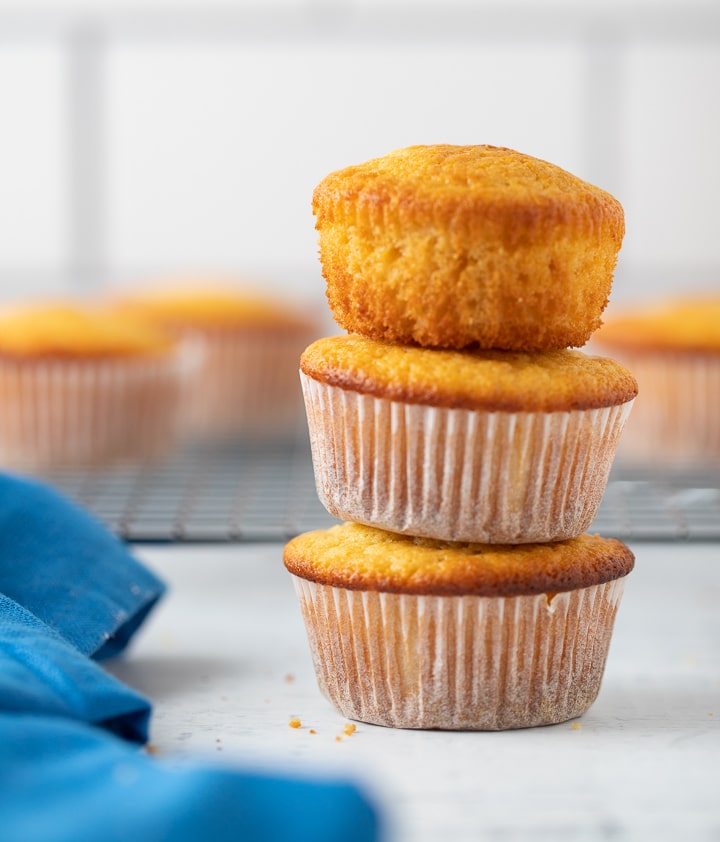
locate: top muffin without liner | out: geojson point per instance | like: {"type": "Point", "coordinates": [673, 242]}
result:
{"type": "Point", "coordinates": [458, 246]}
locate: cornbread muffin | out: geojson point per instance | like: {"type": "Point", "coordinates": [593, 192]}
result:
{"type": "Point", "coordinates": [82, 386]}
{"type": "Point", "coordinates": [674, 349]}
{"type": "Point", "coordinates": [248, 346]}
{"type": "Point", "coordinates": [485, 446]}
{"type": "Point", "coordinates": [456, 246]}
{"type": "Point", "coordinates": [415, 633]}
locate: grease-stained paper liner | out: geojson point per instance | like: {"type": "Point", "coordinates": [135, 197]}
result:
{"type": "Point", "coordinates": [676, 418]}
{"type": "Point", "coordinates": [459, 662]}
{"type": "Point", "coordinates": [65, 413]}
{"type": "Point", "coordinates": [457, 474]}
{"type": "Point", "coordinates": [246, 384]}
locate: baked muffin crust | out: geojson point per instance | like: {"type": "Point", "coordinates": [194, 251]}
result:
{"type": "Point", "coordinates": [490, 380]}
{"type": "Point", "coordinates": [61, 329]}
{"type": "Point", "coordinates": [211, 306]}
{"type": "Point", "coordinates": [452, 246]}
{"type": "Point", "coordinates": [359, 557]}
{"type": "Point", "coordinates": [689, 325]}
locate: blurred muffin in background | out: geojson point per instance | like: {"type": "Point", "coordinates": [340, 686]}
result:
{"type": "Point", "coordinates": [81, 386]}
{"type": "Point", "coordinates": [673, 348]}
{"type": "Point", "coordinates": [248, 344]}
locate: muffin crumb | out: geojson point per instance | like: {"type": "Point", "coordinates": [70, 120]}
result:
{"type": "Point", "coordinates": [295, 722]}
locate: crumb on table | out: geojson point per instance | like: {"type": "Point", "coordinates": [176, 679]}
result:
{"type": "Point", "coordinates": [294, 722]}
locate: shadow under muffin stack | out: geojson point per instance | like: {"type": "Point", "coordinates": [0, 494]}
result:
{"type": "Point", "coordinates": [463, 443]}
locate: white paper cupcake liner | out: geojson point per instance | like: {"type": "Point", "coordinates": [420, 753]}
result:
{"type": "Point", "coordinates": [459, 662]}
{"type": "Point", "coordinates": [456, 474]}
{"type": "Point", "coordinates": [64, 413]}
{"type": "Point", "coordinates": [246, 384]}
{"type": "Point", "coordinates": [676, 416]}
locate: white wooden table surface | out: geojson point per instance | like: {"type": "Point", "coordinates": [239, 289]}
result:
{"type": "Point", "coordinates": [224, 659]}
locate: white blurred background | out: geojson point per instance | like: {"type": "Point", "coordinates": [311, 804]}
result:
{"type": "Point", "coordinates": [154, 138]}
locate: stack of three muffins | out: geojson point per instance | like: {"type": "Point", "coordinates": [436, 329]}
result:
{"type": "Point", "coordinates": [465, 444]}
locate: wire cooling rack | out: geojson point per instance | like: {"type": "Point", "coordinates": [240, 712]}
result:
{"type": "Point", "coordinates": [267, 493]}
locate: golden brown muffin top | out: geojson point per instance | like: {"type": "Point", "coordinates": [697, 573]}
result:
{"type": "Point", "coordinates": [492, 380]}
{"type": "Point", "coordinates": [359, 557]}
{"type": "Point", "coordinates": [467, 246]}
{"type": "Point", "coordinates": [210, 304]}
{"type": "Point", "coordinates": [687, 324]}
{"type": "Point", "coordinates": [65, 329]}
{"type": "Point", "coordinates": [495, 182]}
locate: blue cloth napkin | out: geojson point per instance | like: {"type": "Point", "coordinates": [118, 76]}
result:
{"type": "Point", "coordinates": [41, 673]}
{"type": "Point", "coordinates": [66, 568]}
{"type": "Point", "coordinates": [74, 783]}
{"type": "Point", "coordinates": [71, 766]}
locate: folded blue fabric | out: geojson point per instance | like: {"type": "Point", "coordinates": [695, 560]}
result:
{"type": "Point", "coordinates": [71, 769]}
{"type": "Point", "coordinates": [66, 568]}
{"type": "Point", "coordinates": [68, 782]}
{"type": "Point", "coordinates": [41, 673]}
